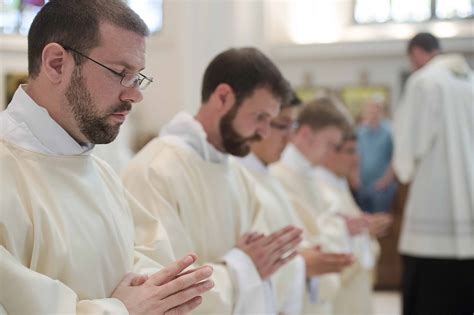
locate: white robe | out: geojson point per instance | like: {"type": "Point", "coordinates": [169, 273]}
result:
{"type": "Point", "coordinates": [355, 294]}
{"type": "Point", "coordinates": [434, 150]}
{"type": "Point", "coordinates": [278, 212]}
{"type": "Point", "coordinates": [68, 228]}
{"type": "Point", "coordinates": [213, 203]}
{"type": "Point", "coordinates": [321, 226]}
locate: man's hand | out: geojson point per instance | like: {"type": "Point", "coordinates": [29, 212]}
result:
{"type": "Point", "coordinates": [318, 262]}
{"type": "Point", "coordinates": [269, 253]}
{"type": "Point", "coordinates": [379, 224]}
{"type": "Point", "coordinates": [385, 181]}
{"type": "Point", "coordinates": [169, 291]}
{"type": "Point", "coordinates": [355, 224]}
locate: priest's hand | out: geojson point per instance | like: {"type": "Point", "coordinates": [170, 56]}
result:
{"type": "Point", "coordinates": [169, 291]}
{"type": "Point", "coordinates": [269, 253]}
{"type": "Point", "coordinates": [317, 262]}
{"type": "Point", "coordinates": [379, 223]}
{"type": "Point", "coordinates": [355, 224]}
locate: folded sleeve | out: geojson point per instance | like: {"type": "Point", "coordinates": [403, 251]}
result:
{"type": "Point", "coordinates": [252, 294]}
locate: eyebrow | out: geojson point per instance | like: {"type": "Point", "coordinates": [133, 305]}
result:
{"type": "Point", "coordinates": [262, 112]}
{"type": "Point", "coordinates": [282, 119]}
{"type": "Point", "coordinates": [126, 65]}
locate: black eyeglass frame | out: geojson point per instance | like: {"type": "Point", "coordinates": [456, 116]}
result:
{"type": "Point", "coordinates": [140, 78]}
{"type": "Point", "coordinates": [284, 127]}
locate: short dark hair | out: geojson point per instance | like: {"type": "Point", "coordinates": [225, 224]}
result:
{"type": "Point", "coordinates": [76, 24]}
{"type": "Point", "coordinates": [426, 41]}
{"type": "Point", "coordinates": [245, 70]}
{"type": "Point", "coordinates": [322, 113]}
{"type": "Point", "coordinates": [293, 101]}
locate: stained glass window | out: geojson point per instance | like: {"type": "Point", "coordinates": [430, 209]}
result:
{"type": "Point", "coordinates": [16, 15]}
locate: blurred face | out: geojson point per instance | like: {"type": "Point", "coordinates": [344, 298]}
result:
{"type": "Point", "coordinates": [344, 159]}
{"type": "Point", "coordinates": [372, 114]}
{"type": "Point", "coordinates": [418, 58]}
{"type": "Point", "coordinates": [248, 123]}
{"type": "Point", "coordinates": [95, 96]}
{"type": "Point", "coordinates": [320, 142]}
{"type": "Point", "coordinates": [269, 150]}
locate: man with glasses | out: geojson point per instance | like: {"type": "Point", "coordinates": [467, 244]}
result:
{"type": "Point", "coordinates": [299, 276]}
{"type": "Point", "coordinates": [70, 234]}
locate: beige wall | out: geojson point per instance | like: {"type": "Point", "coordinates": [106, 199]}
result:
{"type": "Point", "coordinates": [196, 30]}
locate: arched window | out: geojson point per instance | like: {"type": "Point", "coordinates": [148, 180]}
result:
{"type": "Point", "coordinates": [16, 15]}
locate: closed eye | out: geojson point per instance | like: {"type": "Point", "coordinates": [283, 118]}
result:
{"type": "Point", "coordinates": [261, 117]}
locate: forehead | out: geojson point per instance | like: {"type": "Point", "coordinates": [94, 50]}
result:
{"type": "Point", "coordinates": [329, 132]}
{"type": "Point", "coordinates": [120, 46]}
{"type": "Point", "coordinates": [262, 100]}
{"type": "Point", "coordinates": [288, 114]}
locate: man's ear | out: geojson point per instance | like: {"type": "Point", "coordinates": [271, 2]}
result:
{"type": "Point", "coordinates": [223, 97]}
{"type": "Point", "coordinates": [53, 62]}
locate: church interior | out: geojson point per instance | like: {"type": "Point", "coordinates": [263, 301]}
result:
{"type": "Point", "coordinates": [351, 51]}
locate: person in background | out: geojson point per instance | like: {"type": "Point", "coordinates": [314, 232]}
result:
{"type": "Point", "coordinates": [375, 185]}
{"type": "Point", "coordinates": [434, 152]}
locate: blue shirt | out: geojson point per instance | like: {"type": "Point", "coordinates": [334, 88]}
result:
{"type": "Point", "coordinates": [375, 151]}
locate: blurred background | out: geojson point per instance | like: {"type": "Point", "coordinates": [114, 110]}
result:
{"type": "Point", "coordinates": [354, 50]}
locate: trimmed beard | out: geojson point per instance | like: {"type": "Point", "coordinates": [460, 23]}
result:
{"type": "Point", "coordinates": [92, 124]}
{"type": "Point", "coordinates": [232, 141]}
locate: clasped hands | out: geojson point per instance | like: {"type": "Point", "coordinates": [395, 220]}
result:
{"type": "Point", "coordinates": [170, 291]}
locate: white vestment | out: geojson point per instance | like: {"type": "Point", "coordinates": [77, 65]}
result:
{"type": "Point", "coordinates": [118, 153]}
{"type": "Point", "coordinates": [355, 294]}
{"type": "Point", "coordinates": [321, 226]}
{"type": "Point", "coordinates": [434, 150]}
{"type": "Point", "coordinates": [213, 201]}
{"type": "Point", "coordinates": [278, 212]}
{"type": "Point", "coordinates": [68, 228]}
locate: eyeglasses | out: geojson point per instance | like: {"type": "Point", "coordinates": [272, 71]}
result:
{"type": "Point", "coordinates": [129, 80]}
{"type": "Point", "coordinates": [284, 127]}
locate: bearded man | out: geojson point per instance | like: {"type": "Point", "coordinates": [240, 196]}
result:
{"type": "Point", "coordinates": [70, 235]}
{"type": "Point", "coordinates": [212, 198]}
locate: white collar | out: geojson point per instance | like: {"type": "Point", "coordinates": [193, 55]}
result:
{"type": "Point", "coordinates": [30, 126]}
{"type": "Point", "coordinates": [294, 159]}
{"type": "Point", "coordinates": [454, 62]}
{"type": "Point", "coordinates": [330, 178]}
{"type": "Point", "coordinates": [253, 163]}
{"type": "Point", "coordinates": [187, 129]}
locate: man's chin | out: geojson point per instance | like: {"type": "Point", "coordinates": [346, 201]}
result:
{"type": "Point", "coordinates": [106, 138]}
{"type": "Point", "coordinates": [241, 151]}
